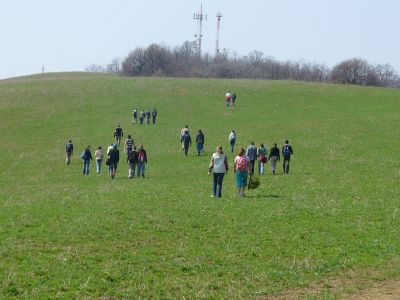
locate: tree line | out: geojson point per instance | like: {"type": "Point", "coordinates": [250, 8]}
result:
{"type": "Point", "coordinates": [185, 61]}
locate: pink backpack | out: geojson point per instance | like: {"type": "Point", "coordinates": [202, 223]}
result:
{"type": "Point", "coordinates": [241, 163]}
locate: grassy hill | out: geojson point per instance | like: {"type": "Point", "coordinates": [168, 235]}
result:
{"type": "Point", "coordinates": [69, 236]}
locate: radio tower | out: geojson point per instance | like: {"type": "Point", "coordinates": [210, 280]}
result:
{"type": "Point", "coordinates": [219, 16]}
{"type": "Point", "coordinates": [199, 17]}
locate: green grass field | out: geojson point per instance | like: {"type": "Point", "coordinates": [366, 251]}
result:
{"type": "Point", "coordinates": [64, 235]}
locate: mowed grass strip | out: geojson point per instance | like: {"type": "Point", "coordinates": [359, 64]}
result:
{"type": "Point", "coordinates": [66, 235]}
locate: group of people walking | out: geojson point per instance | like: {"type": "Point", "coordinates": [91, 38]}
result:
{"type": "Point", "coordinates": [135, 157]}
{"type": "Point", "coordinates": [244, 165]}
{"type": "Point", "coordinates": [142, 115]}
{"type": "Point", "coordinates": [230, 98]}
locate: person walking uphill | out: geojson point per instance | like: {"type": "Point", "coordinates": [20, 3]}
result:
{"type": "Point", "coordinates": [252, 154]}
{"type": "Point", "coordinates": [113, 160]}
{"type": "Point", "coordinates": [219, 167]}
{"type": "Point", "coordinates": [154, 115]}
{"type": "Point", "coordinates": [135, 116]}
{"type": "Point", "coordinates": [232, 139]}
{"type": "Point", "coordinates": [118, 134]}
{"type": "Point", "coordinates": [199, 142]}
{"type": "Point", "coordinates": [128, 144]}
{"type": "Point", "coordinates": [287, 151]}
{"type": "Point", "coordinates": [186, 141]}
{"type": "Point", "coordinates": [142, 161]}
{"type": "Point", "coordinates": [241, 170]}
{"type": "Point", "coordinates": [69, 151]}
{"type": "Point", "coordinates": [132, 160]}
{"type": "Point", "coordinates": [262, 158]}
{"type": "Point", "coordinates": [273, 157]}
{"type": "Point", "coordinates": [98, 154]}
{"type": "Point", "coordinates": [86, 157]}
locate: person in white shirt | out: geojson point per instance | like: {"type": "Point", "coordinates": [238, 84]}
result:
{"type": "Point", "coordinates": [232, 139]}
{"type": "Point", "coordinates": [219, 167]}
{"type": "Point", "coordinates": [228, 97]}
{"type": "Point", "coordinates": [99, 158]}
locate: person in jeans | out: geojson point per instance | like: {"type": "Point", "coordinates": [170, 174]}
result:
{"type": "Point", "coordinates": [132, 160]}
{"type": "Point", "coordinates": [98, 154]}
{"type": "Point", "coordinates": [135, 115]}
{"type": "Point", "coordinates": [113, 157]}
{"type": "Point", "coordinates": [154, 115]}
{"type": "Point", "coordinates": [219, 167]}
{"type": "Point", "coordinates": [199, 142]}
{"type": "Point", "coordinates": [232, 139]}
{"type": "Point", "coordinates": [86, 156]}
{"type": "Point", "coordinates": [69, 151]}
{"type": "Point", "coordinates": [287, 151]}
{"type": "Point", "coordinates": [251, 152]}
{"type": "Point", "coordinates": [241, 170]}
{"type": "Point", "coordinates": [273, 157]}
{"type": "Point", "coordinates": [262, 158]}
{"type": "Point", "coordinates": [142, 161]}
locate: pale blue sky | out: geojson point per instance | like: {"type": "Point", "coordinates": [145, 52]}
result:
{"type": "Point", "coordinates": [70, 35]}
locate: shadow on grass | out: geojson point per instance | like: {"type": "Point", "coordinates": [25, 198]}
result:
{"type": "Point", "coordinates": [266, 196]}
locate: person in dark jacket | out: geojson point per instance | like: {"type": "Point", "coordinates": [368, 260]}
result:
{"type": "Point", "coordinates": [186, 141]}
{"type": "Point", "coordinates": [142, 161]}
{"type": "Point", "coordinates": [113, 159]}
{"type": "Point", "coordinates": [274, 156]}
{"type": "Point", "coordinates": [86, 156]}
{"type": "Point", "coordinates": [69, 151]}
{"type": "Point", "coordinates": [118, 134]}
{"type": "Point", "coordinates": [251, 152]}
{"type": "Point", "coordinates": [287, 151]}
{"type": "Point", "coordinates": [132, 160]}
{"type": "Point", "coordinates": [148, 115]}
{"type": "Point", "coordinates": [199, 142]}
{"type": "Point", "coordinates": [154, 115]}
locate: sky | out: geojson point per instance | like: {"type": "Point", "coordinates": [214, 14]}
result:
{"type": "Point", "coordinates": [70, 35]}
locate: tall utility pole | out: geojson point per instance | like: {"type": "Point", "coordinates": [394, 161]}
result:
{"type": "Point", "coordinates": [199, 17]}
{"type": "Point", "coordinates": [219, 16]}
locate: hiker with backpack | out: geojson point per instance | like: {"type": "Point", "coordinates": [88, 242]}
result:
{"type": "Point", "coordinates": [154, 115]}
{"type": "Point", "coordinates": [142, 161]}
{"type": "Point", "coordinates": [287, 151]}
{"type": "Point", "coordinates": [113, 160]}
{"type": "Point", "coordinates": [69, 151]}
{"type": "Point", "coordinates": [118, 134]}
{"type": "Point", "coordinates": [273, 157]}
{"type": "Point", "coordinates": [251, 152]}
{"type": "Point", "coordinates": [128, 144]}
{"type": "Point", "coordinates": [199, 142]}
{"type": "Point", "coordinates": [186, 141]}
{"type": "Point", "coordinates": [241, 170]}
{"type": "Point", "coordinates": [232, 139]}
{"type": "Point", "coordinates": [262, 158]}
{"type": "Point", "coordinates": [219, 167]}
{"type": "Point", "coordinates": [86, 156]}
{"type": "Point", "coordinates": [98, 154]}
{"type": "Point", "coordinates": [132, 161]}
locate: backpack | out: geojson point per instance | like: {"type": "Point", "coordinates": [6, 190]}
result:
{"type": "Point", "coordinates": [286, 151]}
{"type": "Point", "coordinates": [69, 148]}
{"type": "Point", "coordinates": [141, 156]}
{"type": "Point", "coordinates": [241, 164]}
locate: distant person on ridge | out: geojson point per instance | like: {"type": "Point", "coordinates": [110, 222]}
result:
{"type": "Point", "coordinates": [232, 139]}
{"type": "Point", "coordinates": [251, 152]}
{"type": "Point", "coordinates": [118, 134]}
{"type": "Point", "coordinates": [69, 151]}
{"type": "Point", "coordinates": [273, 157]}
{"type": "Point", "coordinates": [233, 97]}
{"type": "Point", "coordinates": [154, 115]}
{"type": "Point", "coordinates": [199, 142]}
{"type": "Point", "coordinates": [186, 141]}
{"type": "Point", "coordinates": [228, 98]}
{"type": "Point", "coordinates": [287, 151]}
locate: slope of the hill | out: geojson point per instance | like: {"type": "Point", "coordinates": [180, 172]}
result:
{"type": "Point", "coordinates": [66, 235]}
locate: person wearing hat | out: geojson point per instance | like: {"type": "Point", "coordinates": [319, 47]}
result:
{"type": "Point", "coordinates": [113, 159]}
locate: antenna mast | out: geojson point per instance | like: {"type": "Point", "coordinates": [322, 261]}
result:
{"type": "Point", "coordinates": [199, 17]}
{"type": "Point", "coordinates": [219, 16]}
